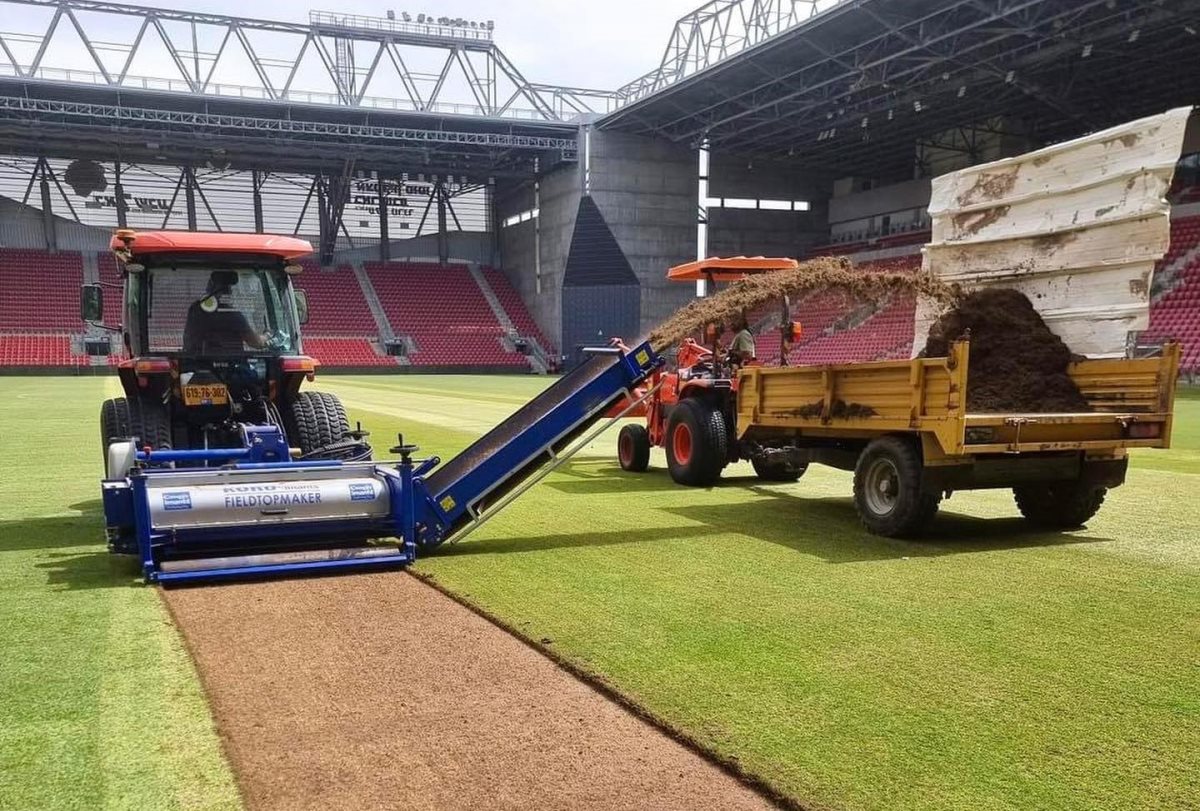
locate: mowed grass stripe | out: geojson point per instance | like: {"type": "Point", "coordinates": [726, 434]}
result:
{"type": "Point", "coordinates": [986, 667]}
{"type": "Point", "coordinates": [102, 708]}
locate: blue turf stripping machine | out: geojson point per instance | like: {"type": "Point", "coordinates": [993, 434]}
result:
{"type": "Point", "coordinates": [252, 511]}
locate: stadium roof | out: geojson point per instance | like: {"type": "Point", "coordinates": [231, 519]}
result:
{"type": "Point", "coordinates": [851, 89]}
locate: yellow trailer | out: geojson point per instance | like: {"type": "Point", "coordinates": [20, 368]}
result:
{"type": "Point", "coordinates": [904, 429]}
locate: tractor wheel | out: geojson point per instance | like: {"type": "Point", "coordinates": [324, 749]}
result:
{"type": "Point", "coordinates": [697, 443]}
{"type": "Point", "coordinates": [1063, 505]}
{"type": "Point", "coordinates": [114, 423]}
{"type": "Point", "coordinates": [633, 448]}
{"type": "Point", "coordinates": [318, 420]}
{"type": "Point", "coordinates": [777, 471]}
{"type": "Point", "coordinates": [887, 489]}
{"type": "Point", "coordinates": [150, 424]}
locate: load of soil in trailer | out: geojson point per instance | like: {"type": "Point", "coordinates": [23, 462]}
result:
{"type": "Point", "coordinates": [812, 276]}
{"type": "Point", "coordinates": [1016, 363]}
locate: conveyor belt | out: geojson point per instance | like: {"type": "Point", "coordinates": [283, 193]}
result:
{"type": "Point", "coordinates": [451, 478]}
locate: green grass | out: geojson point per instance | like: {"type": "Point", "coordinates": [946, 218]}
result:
{"type": "Point", "coordinates": [99, 704]}
{"type": "Point", "coordinates": [988, 667]}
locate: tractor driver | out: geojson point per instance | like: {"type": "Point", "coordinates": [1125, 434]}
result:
{"type": "Point", "coordinates": [214, 325]}
{"type": "Point", "coordinates": [741, 350]}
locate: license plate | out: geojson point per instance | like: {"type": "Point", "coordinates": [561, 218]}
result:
{"type": "Point", "coordinates": [205, 395]}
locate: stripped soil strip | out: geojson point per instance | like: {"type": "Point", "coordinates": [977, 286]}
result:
{"type": "Point", "coordinates": [377, 691]}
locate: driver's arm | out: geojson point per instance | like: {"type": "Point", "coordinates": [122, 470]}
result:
{"type": "Point", "coordinates": [250, 336]}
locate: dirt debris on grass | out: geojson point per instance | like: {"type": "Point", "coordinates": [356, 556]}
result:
{"type": "Point", "coordinates": [378, 691]}
{"type": "Point", "coordinates": [815, 275]}
{"type": "Point", "coordinates": [1016, 363]}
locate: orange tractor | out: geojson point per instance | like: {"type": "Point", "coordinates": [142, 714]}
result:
{"type": "Point", "coordinates": [690, 409]}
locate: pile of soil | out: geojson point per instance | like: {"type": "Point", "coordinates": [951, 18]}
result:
{"type": "Point", "coordinates": [1016, 363]}
{"type": "Point", "coordinates": [815, 275]}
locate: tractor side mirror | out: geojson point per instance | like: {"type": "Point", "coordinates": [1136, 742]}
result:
{"type": "Point", "coordinates": [301, 305]}
{"type": "Point", "coordinates": [91, 303]}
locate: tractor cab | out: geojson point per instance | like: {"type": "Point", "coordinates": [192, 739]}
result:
{"type": "Point", "coordinates": [211, 323]}
{"type": "Point", "coordinates": [694, 398]}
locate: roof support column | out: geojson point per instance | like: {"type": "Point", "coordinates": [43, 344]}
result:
{"type": "Point", "coordinates": [119, 197]}
{"type": "Point", "coordinates": [443, 238]}
{"type": "Point", "coordinates": [50, 235]}
{"type": "Point", "coordinates": [385, 246]}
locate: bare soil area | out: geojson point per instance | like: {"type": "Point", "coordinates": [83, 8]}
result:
{"type": "Point", "coordinates": [378, 691]}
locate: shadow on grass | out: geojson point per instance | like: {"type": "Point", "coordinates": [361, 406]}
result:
{"type": "Point", "coordinates": [601, 477]}
{"type": "Point", "coordinates": [566, 540]}
{"type": "Point", "coordinates": [61, 540]}
{"type": "Point", "coordinates": [828, 528]}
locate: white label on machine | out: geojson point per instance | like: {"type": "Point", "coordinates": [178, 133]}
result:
{"type": "Point", "coordinates": [208, 505]}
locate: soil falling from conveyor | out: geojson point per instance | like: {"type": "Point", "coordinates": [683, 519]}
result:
{"type": "Point", "coordinates": [813, 276]}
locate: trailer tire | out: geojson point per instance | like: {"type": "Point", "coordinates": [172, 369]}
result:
{"type": "Point", "coordinates": [777, 471]}
{"type": "Point", "coordinates": [887, 489]}
{"type": "Point", "coordinates": [1064, 505]}
{"type": "Point", "coordinates": [318, 420]}
{"type": "Point", "coordinates": [697, 443]}
{"type": "Point", "coordinates": [633, 448]}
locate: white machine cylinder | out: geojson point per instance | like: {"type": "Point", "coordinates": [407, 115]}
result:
{"type": "Point", "coordinates": [244, 503]}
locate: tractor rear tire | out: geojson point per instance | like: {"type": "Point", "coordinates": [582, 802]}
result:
{"type": "Point", "coordinates": [150, 424]}
{"type": "Point", "coordinates": [1063, 505]}
{"type": "Point", "coordinates": [887, 489]}
{"type": "Point", "coordinates": [318, 420]}
{"type": "Point", "coordinates": [633, 448]}
{"type": "Point", "coordinates": [697, 443]}
{"type": "Point", "coordinates": [114, 423]}
{"type": "Point", "coordinates": [777, 471]}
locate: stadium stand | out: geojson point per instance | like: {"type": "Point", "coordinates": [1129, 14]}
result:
{"type": "Point", "coordinates": [28, 349]}
{"type": "Point", "coordinates": [345, 352]}
{"type": "Point", "coordinates": [443, 310]}
{"type": "Point", "coordinates": [1175, 313]}
{"type": "Point", "coordinates": [514, 306]}
{"type": "Point", "coordinates": [40, 291]}
{"type": "Point", "coordinates": [336, 304]}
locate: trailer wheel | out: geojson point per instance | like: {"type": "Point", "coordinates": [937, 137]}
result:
{"type": "Point", "coordinates": [318, 420]}
{"type": "Point", "coordinates": [777, 471]}
{"type": "Point", "coordinates": [633, 448]}
{"type": "Point", "coordinates": [1059, 506]}
{"type": "Point", "coordinates": [887, 489]}
{"type": "Point", "coordinates": [697, 443]}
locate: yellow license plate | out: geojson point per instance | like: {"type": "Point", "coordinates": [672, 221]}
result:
{"type": "Point", "coordinates": [205, 395]}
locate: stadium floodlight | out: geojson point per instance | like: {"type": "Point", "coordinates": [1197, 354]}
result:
{"type": "Point", "coordinates": [420, 19]}
{"type": "Point", "coordinates": [1134, 34]}
{"type": "Point", "coordinates": [1190, 30]}
{"type": "Point", "coordinates": [962, 91]}
{"type": "Point", "coordinates": [391, 15]}
{"type": "Point", "coordinates": [404, 15]}
{"type": "Point", "coordinates": [1087, 51]}
{"type": "Point", "coordinates": [917, 106]}
{"type": "Point", "coordinates": [1010, 77]}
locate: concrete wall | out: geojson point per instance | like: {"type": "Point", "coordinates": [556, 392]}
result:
{"type": "Point", "coordinates": [646, 190]}
{"type": "Point", "coordinates": [742, 232]}
{"type": "Point", "coordinates": [23, 226]}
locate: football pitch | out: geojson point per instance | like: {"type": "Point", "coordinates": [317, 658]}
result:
{"type": "Point", "coordinates": [987, 666]}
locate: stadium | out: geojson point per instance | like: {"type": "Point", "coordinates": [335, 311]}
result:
{"type": "Point", "coordinates": [471, 254]}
